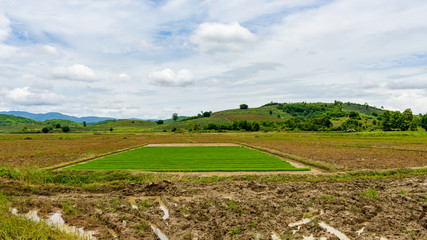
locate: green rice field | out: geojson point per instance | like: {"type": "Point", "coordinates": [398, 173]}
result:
{"type": "Point", "coordinates": [189, 159]}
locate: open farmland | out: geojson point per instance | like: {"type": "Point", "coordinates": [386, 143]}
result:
{"type": "Point", "coordinates": [347, 151]}
{"type": "Point", "coordinates": [357, 204]}
{"type": "Point", "coordinates": [189, 159]}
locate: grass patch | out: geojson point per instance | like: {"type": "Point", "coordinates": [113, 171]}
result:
{"type": "Point", "coordinates": [189, 159]}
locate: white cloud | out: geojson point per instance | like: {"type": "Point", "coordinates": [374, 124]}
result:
{"type": "Point", "coordinates": [76, 72]}
{"type": "Point", "coordinates": [49, 49]}
{"type": "Point", "coordinates": [29, 96]}
{"type": "Point", "coordinates": [5, 50]}
{"type": "Point", "coordinates": [124, 77]}
{"type": "Point", "coordinates": [4, 27]}
{"type": "Point", "coordinates": [218, 37]}
{"type": "Point", "coordinates": [167, 77]}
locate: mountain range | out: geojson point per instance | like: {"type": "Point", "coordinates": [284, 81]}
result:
{"type": "Point", "coordinates": [56, 115]}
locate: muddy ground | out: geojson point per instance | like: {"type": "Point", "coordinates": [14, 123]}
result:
{"type": "Point", "coordinates": [388, 208]}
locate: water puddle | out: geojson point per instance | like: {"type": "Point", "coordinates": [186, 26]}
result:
{"type": "Point", "coordinates": [334, 231]}
{"type": "Point", "coordinates": [32, 215]}
{"type": "Point", "coordinates": [14, 211]}
{"type": "Point", "coordinates": [360, 231]}
{"type": "Point", "coordinates": [132, 201]}
{"type": "Point", "coordinates": [158, 232]}
{"type": "Point", "coordinates": [56, 220]}
{"type": "Point", "coordinates": [163, 208]}
{"type": "Point", "coordinates": [300, 222]}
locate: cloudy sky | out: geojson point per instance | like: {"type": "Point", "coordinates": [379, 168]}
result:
{"type": "Point", "coordinates": [149, 59]}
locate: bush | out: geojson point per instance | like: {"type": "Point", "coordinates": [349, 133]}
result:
{"type": "Point", "coordinates": [45, 130]}
{"type": "Point", "coordinates": [159, 122]}
{"type": "Point", "coordinates": [243, 106]}
{"type": "Point", "coordinates": [65, 129]}
{"type": "Point", "coordinates": [58, 125]}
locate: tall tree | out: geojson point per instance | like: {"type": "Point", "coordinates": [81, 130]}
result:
{"type": "Point", "coordinates": [175, 116]}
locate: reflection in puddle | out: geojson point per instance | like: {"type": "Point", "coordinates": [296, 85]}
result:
{"type": "Point", "coordinates": [334, 231]}
{"type": "Point", "coordinates": [360, 231]}
{"type": "Point", "coordinates": [158, 232]}
{"type": "Point", "coordinates": [57, 221]}
{"type": "Point", "coordinates": [32, 215]}
{"type": "Point", "coordinates": [164, 209]}
{"type": "Point", "coordinates": [300, 222]}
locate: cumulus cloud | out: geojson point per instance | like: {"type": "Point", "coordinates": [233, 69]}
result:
{"type": "Point", "coordinates": [29, 96]}
{"type": "Point", "coordinates": [218, 37]}
{"type": "Point", "coordinates": [76, 72]}
{"type": "Point", "coordinates": [168, 78]}
{"type": "Point", "coordinates": [124, 77]}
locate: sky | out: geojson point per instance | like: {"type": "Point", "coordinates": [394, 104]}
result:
{"type": "Point", "coordinates": [149, 59]}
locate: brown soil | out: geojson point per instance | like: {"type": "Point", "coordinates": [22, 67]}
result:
{"type": "Point", "coordinates": [241, 210]}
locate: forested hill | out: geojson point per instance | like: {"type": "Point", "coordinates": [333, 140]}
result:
{"type": "Point", "coordinates": [336, 109]}
{"type": "Point", "coordinates": [10, 120]}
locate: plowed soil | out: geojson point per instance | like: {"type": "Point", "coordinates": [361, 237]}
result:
{"type": "Point", "coordinates": [390, 208]}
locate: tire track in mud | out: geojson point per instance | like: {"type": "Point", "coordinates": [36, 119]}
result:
{"type": "Point", "coordinates": [245, 210]}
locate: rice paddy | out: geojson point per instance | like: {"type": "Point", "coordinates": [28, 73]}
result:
{"type": "Point", "coordinates": [190, 159]}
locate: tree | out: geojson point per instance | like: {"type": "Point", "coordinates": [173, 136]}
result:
{"type": "Point", "coordinates": [65, 129]}
{"type": "Point", "coordinates": [206, 114]}
{"type": "Point", "coordinates": [159, 122]}
{"type": "Point", "coordinates": [57, 125]}
{"type": "Point", "coordinates": [84, 123]}
{"type": "Point", "coordinates": [175, 116]}
{"type": "Point", "coordinates": [424, 121]}
{"type": "Point", "coordinates": [45, 130]}
{"type": "Point", "coordinates": [271, 112]}
{"type": "Point", "coordinates": [353, 114]}
{"type": "Point", "coordinates": [111, 129]}
{"type": "Point", "coordinates": [243, 106]}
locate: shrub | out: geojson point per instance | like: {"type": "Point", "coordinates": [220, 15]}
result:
{"type": "Point", "coordinates": [45, 130]}
{"type": "Point", "coordinates": [243, 106]}
{"type": "Point", "coordinates": [65, 129]}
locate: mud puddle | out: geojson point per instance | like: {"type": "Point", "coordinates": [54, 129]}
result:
{"type": "Point", "coordinates": [195, 210]}
{"type": "Point", "coordinates": [56, 220]}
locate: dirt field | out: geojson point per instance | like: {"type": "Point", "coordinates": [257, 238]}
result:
{"type": "Point", "coordinates": [388, 208]}
{"type": "Point", "coordinates": [347, 151]}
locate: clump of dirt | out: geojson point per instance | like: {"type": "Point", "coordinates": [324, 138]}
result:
{"type": "Point", "coordinates": [390, 208]}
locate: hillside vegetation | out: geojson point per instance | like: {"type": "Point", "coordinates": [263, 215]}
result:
{"type": "Point", "coordinates": [302, 116]}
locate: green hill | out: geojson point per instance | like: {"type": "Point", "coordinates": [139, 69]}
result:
{"type": "Point", "coordinates": [9, 120]}
{"type": "Point", "coordinates": [63, 122]}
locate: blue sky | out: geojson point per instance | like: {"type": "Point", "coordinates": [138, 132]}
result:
{"type": "Point", "coordinates": [149, 59]}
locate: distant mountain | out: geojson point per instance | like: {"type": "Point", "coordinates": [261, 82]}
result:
{"type": "Point", "coordinates": [55, 115]}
